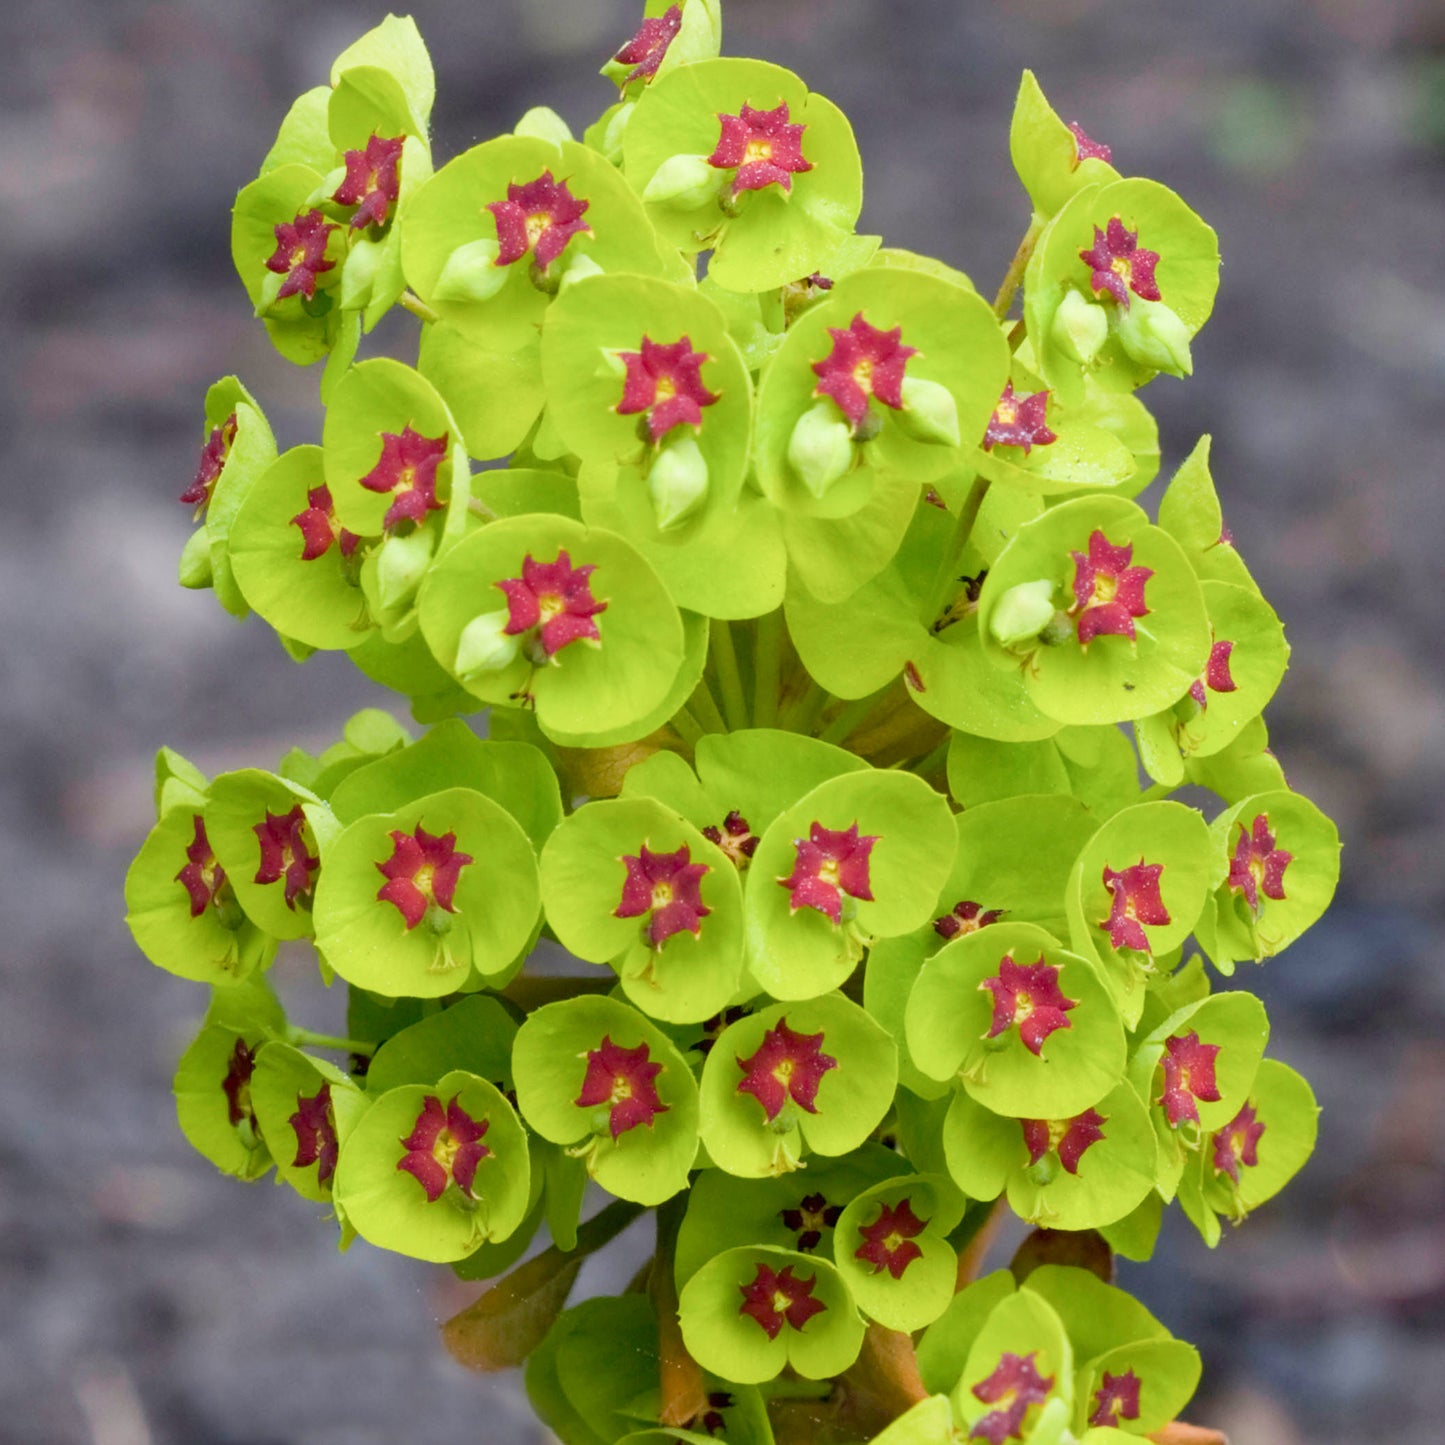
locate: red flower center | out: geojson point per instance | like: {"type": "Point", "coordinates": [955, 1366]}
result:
{"type": "Point", "coordinates": [1068, 1138]}
{"type": "Point", "coordinates": [888, 1241]}
{"type": "Point", "coordinates": [421, 873]}
{"type": "Point", "coordinates": [761, 147]}
{"type": "Point", "coordinates": [237, 1085]}
{"type": "Point", "coordinates": [213, 460]}
{"type": "Point", "coordinates": [666, 383]}
{"type": "Point", "coordinates": [202, 877]}
{"type": "Point", "coordinates": [1108, 592]}
{"type": "Point", "coordinates": [556, 599]}
{"type": "Point", "coordinates": [1216, 678]}
{"type": "Point", "coordinates": [828, 864]}
{"type": "Point", "coordinates": [1019, 421]}
{"type": "Point", "coordinates": [284, 853]}
{"type": "Point", "coordinates": [1027, 995]}
{"type": "Point", "coordinates": [1119, 265]}
{"type": "Point", "coordinates": [667, 888]}
{"type": "Point", "coordinates": [808, 1221]}
{"type": "Point", "coordinates": [1086, 149]}
{"type": "Point", "coordinates": [1116, 1399]}
{"type": "Point", "coordinates": [319, 527]}
{"type": "Point", "coordinates": [622, 1080]}
{"type": "Point", "coordinates": [777, 1298]}
{"type": "Point", "coordinates": [1257, 867]}
{"type": "Point", "coordinates": [314, 1124]}
{"type": "Point", "coordinates": [1238, 1143]}
{"type": "Point", "coordinates": [372, 182]}
{"type": "Point", "coordinates": [1188, 1075]}
{"type": "Point", "coordinates": [1137, 901]}
{"type": "Point", "coordinates": [966, 917]}
{"type": "Point", "coordinates": [408, 469]}
{"type": "Point", "coordinates": [541, 217]}
{"type": "Point", "coordinates": [300, 254]}
{"type": "Point", "coordinates": [787, 1065]}
{"type": "Point", "coordinates": [647, 49]}
{"type": "Point", "coordinates": [864, 362]}
{"type": "Point", "coordinates": [445, 1147]}
{"type": "Point", "coordinates": [1012, 1388]}
{"type": "Point", "coordinates": [736, 839]}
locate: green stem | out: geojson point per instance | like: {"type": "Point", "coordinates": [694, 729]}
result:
{"type": "Point", "coordinates": [781, 1389]}
{"type": "Point", "coordinates": [804, 712]}
{"type": "Point", "coordinates": [329, 1041]}
{"type": "Point", "coordinates": [1014, 276]}
{"type": "Point", "coordinates": [413, 303]}
{"type": "Point", "coordinates": [851, 716]}
{"type": "Point", "coordinates": [767, 668]}
{"type": "Point", "coordinates": [944, 578]}
{"type": "Point", "coordinates": [1154, 792]}
{"type": "Point", "coordinates": [687, 727]}
{"type": "Point", "coordinates": [703, 706]}
{"type": "Point", "coordinates": [479, 508]}
{"type": "Point", "coordinates": [725, 659]}
{"type": "Point", "coordinates": [938, 758]}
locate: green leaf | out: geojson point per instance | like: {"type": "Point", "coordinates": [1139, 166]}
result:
{"type": "Point", "coordinates": [1189, 511]}
{"type": "Point", "coordinates": [473, 1034]}
{"type": "Point", "coordinates": [1045, 153]}
{"type": "Point", "coordinates": [226, 1133]}
{"type": "Point", "coordinates": [395, 46]}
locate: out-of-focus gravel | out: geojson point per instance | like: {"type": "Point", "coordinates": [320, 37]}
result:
{"type": "Point", "coordinates": [148, 1301]}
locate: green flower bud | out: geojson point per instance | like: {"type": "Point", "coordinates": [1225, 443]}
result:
{"type": "Point", "coordinates": [930, 414]}
{"type": "Point", "coordinates": [400, 566]}
{"type": "Point", "coordinates": [1043, 1171]}
{"type": "Point", "coordinates": [1153, 335]}
{"type": "Point", "coordinates": [582, 266]}
{"type": "Point", "coordinates": [1022, 614]}
{"type": "Point", "coordinates": [358, 275]}
{"type": "Point", "coordinates": [1080, 328]}
{"type": "Point", "coordinates": [484, 645]}
{"type": "Point", "coordinates": [543, 123]}
{"type": "Point", "coordinates": [678, 480]}
{"type": "Point", "coordinates": [471, 273]}
{"type": "Point", "coordinates": [820, 450]}
{"type": "Point", "coordinates": [195, 569]}
{"type": "Point", "coordinates": [616, 129]}
{"type": "Point", "coordinates": [683, 182]}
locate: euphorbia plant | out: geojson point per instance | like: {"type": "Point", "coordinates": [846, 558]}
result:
{"type": "Point", "coordinates": [816, 647]}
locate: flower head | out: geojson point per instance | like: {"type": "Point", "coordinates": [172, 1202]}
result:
{"type": "Point", "coordinates": [762, 147]}
{"type": "Point", "coordinates": [1238, 1143]}
{"type": "Point", "coordinates": [1014, 1385]}
{"type": "Point", "coordinates": [888, 1241]}
{"type": "Point", "coordinates": [421, 873]}
{"type": "Point", "coordinates": [965, 917]}
{"type": "Point", "coordinates": [314, 1124]}
{"type": "Point", "coordinates": [1188, 1075]}
{"type": "Point", "coordinates": [1119, 265]}
{"type": "Point", "coordinates": [665, 382]}
{"type": "Point", "coordinates": [787, 1065]}
{"type": "Point", "coordinates": [1069, 1138]}
{"type": "Point", "coordinates": [237, 1084]}
{"type": "Point", "coordinates": [623, 1081]}
{"type": "Point", "coordinates": [213, 459]}
{"type": "Point", "coordinates": [667, 888]}
{"type": "Point", "coordinates": [828, 864]}
{"type": "Point", "coordinates": [1258, 866]}
{"type": "Point", "coordinates": [541, 217]}
{"type": "Point", "coordinates": [813, 1215]}
{"type": "Point", "coordinates": [372, 181]}
{"type": "Point", "coordinates": [1108, 592]}
{"type": "Point", "coordinates": [1028, 995]}
{"type": "Point", "coordinates": [736, 839]}
{"type": "Point", "coordinates": [556, 599]}
{"type": "Point", "coordinates": [202, 877]}
{"type": "Point", "coordinates": [647, 49]}
{"type": "Point", "coordinates": [864, 362]}
{"type": "Point", "coordinates": [284, 853]}
{"type": "Point", "coordinates": [1216, 678]}
{"type": "Point", "coordinates": [777, 1298]}
{"type": "Point", "coordinates": [1137, 901]}
{"type": "Point", "coordinates": [1019, 421]}
{"type": "Point", "coordinates": [1086, 149]}
{"type": "Point", "coordinates": [319, 527]}
{"type": "Point", "coordinates": [300, 254]}
{"type": "Point", "coordinates": [408, 468]}
{"type": "Point", "coordinates": [1117, 1398]}
{"type": "Point", "coordinates": [444, 1148]}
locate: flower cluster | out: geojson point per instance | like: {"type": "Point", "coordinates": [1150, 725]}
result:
{"type": "Point", "coordinates": [822, 645]}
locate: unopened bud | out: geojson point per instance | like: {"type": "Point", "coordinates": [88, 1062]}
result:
{"type": "Point", "coordinates": [400, 565]}
{"type": "Point", "coordinates": [1080, 328]}
{"type": "Point", "coordinates": [1042, 1171]}
{"type": "Point", "coordinates": [820, 450]}
{"type": "Point", "coordinates": [195, 568]}
{"type": "Point", "coordinates": [543, 123]}
{"type": "Point", "coordinates": [616, 129]}
{"type": "Point", "coordinates": [677, 481]}
{"type": "Point", "coordinates": [471, 273]}
{"type": "Point", "coordinates": [358, 275]}
{"type": "Point", "coordinates": [1022, 614]}
{"type": "Point", "coordinates": [930, 414]}
{"type": "Point", "coordinates": [682, 182]}
{"type": "Point", "coordinates": [484, 645]}
{"type": "Point", "coordinates": [1153, 335]}
{"type": "Point", "coordinates": [581, 267]}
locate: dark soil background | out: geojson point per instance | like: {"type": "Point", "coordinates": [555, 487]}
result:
{"type": "Point", "coordinates": [147, 1301]}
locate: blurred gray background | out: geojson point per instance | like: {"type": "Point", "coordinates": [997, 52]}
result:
{"type": "Point", "coordinates": [147, 1301]}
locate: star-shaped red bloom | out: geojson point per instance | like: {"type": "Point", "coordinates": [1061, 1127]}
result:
{"type": "Point", "coordinates": [556, 598]}
{"type": "Point", "coordinates": [808, 1221]}
{"type": "Point", "coordinates": [445, 1146]}
{"type": "Point", "coordinates": [541, 217]}
{"type": "Point", "coordinates": [647, 49]}
{"type": "Point", "coordinates": [1014, 1385]}
{"type": "Point", "coordinates": [1137, 901]}
{"type": "Point", "coordinates": [1116, 1399]}
{"type": "Point", "coordinates": [237, 1084]}
{"type": "Point", "coordinates": [776, 1298]}
{"type": "Point", "coordinates": [1089, 150]}
{"type": "Point", "coordinates": [665, 381]}
{"type": "Point", "coordinates": [623, 1080]}
{"type": "Point", "coordinates": [736, 839]}
{"type": "Point", "coordinates": [1068, 1137]}
{"type": "Point", "coordinates": [408, 468]}
{"type": "Point", "coordinates": [372, 181]}
{"type": "Point", "coordinates": [421, 873]}
{"type": "Point", "coordinates": [761, 147]}
{"type": "Point", "coordinates": [1238, 1143]}
{"type": "Point", "coordinates": [888, 1241]}
{"type": "Point", "coordinates": [213, 459]}
{"type": "Point", "coordinates": [1028, 994]}
{"type": "Point", "coordinates": [1216, 677]}
{"type": "Point", "coordinates": [787, 1065]}
{"type": "Point", "coordinates": [202, 877]}
{"type": "Point", "coordinates": [1019, 421]}
{"type": "Point", "coordinates": [284, 853]}
{"type": "Point", "coordinates": [1257, 866]}
{"type": "Point", "coordinates": [300, 254]}
{"type": "Point", "coordinates": [966, 917]}
{"type": "Point", "coordinates": [864, 362]}
{"type": "Point", "coordinates": [668, 888]}
{"type": "Point", "coordinates": [830, 863]}
{"type": "Point", "coordinates": [319, 527]}
{"type": "Point", "coordinates": [1120, 265]}
{"type": "Point", "coordinates": [710, 1420]}
{"type": "Point", "coordinates": [1188, 1075]}
{"type": "Point", "coordinates": [314, 1124]}
{"type": "Point", "coordinates": [1108, 592]}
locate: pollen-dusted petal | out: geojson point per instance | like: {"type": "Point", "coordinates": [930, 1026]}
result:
{"type": "Point", "coordinates": [787, 1065]}
{"type": "Point", "coordinates": [408, 468]}
{"type": "Point", "coordinates": [665, 381]}
{"type": "Point", "coordinates": [828, 864]}
{"type": "Point", "coordinates": [1119, 265]}
{"type": "Point", "coordinates": [667, 887]}
{"type": "Point", "coordinates": [422, 872]}
{"type": "Point", "coordinates": [888, 1241]}
{"type": "Point", "coordinates": [1137, 901]}
{"type": "Point", "coordinates": [762, 147]}
{"type": "Point", "coordinates": [541, 216]}
{"type": "Point", "coordinates": [1238, 1143]}
{"type": "Point", "coordinates": [314, 1124]}
{"type": "Point", "coordinates": [284, 853]}
{"type": "Point", "coordinates": [1088, 150]}
{"type": "Point", "coordinates": [1019, 421]}
{"type": "Point", "coordinates": [1014, 1385]}
{"type": "Point", "coordinates": [1117, 1398]}
{"type": "Point", "coordinates": [647, 49]}
{"type": "Point", "coordinates": [776, 1298]}
{"type": "Point", "coordinates": [372, 182]}
{"type": "Point", "coordinates": [1028, 995]}
{"type": "Point", "coordinates": [300, 254]}
{"type": "Point", "coordinates": [1188, 1075]}
{"type": "Point", "coordinates": [237, 1084]}
{"type": "Point", "coordinates": [1108, 591]}
{"type": "Point", "coordinates": [555, 597]}
{"type": "Point", "coordinates": [864, 362]}
{"type": "Point", "coordinates": [1257, 865]}
{"type": "Point", "coordinates": [202, 876]}
{"type": "Point", "coordinates": [213, 459]}
{"type": "Point", "coordinates": [624, 1081]}
{"type": "Point", "coordinates": [1069, 1138]}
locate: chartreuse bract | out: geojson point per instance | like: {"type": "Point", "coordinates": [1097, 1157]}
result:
{"type": "Point", "coordinates": [791, 839]}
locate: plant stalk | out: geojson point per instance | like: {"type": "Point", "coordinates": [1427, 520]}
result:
{"type": "Point", "coordinates": [413, 303]}
{"type": "Point", "coordinates": [767, 669]}
{"type": "Point", "coordinates": [1014, 276]}
{"type": "Point", "coordinates": [729, 680]}
{"type": "Point", "coordinates": [329, 1041]}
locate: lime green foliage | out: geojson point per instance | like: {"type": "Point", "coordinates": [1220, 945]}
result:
{"type": "Point", "coordinates": [787, 842]}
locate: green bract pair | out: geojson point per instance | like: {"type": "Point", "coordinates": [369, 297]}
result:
{"type": "Point", "coordinates": [812, 874]}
